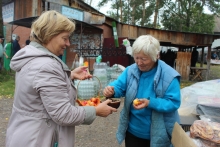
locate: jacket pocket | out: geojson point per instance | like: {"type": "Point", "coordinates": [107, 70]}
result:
{"type": "Point", "coordinates": [47, 134]}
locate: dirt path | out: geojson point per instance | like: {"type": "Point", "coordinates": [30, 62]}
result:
{"type": "Point", "coordinates": [5, 112]}
{"type": "Point", "coordinates": [99, 134]}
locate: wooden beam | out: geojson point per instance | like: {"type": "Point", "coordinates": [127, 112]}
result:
{"type": "Point", "coordinates": [175, 38]}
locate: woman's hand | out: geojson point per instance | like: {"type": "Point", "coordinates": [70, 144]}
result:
{"type": "Point", "coordinates": [108, 91]}
{"type": "Point", "coordinates": [104, 110]}
{"type": "Point", "coordinates": [143, 103]}
{"type": "Point", "coordinates": [80, 73]}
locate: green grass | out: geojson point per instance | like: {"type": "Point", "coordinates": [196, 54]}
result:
{"type": "Point", "coordinates": [7, 84]}
{"type": "Point", "coordinates": [186, 83]}
{"type": "Point", "coordinates": [214, 74]}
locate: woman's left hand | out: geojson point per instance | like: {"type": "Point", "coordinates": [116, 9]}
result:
{"type": "Point", "coordinates": [144, 103]}
{"type": "Point", "coordinates": [80, 73]}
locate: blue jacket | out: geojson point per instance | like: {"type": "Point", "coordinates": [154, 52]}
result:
{"type": "Point", "coordinates": [162, 123]}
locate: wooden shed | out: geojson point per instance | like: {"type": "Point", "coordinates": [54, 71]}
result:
{"type": "Point", "coordinates": [92, 17]}
{"type": "Point", "coordinates": [184, 41]}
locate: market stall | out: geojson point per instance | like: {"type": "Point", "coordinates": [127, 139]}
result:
{"type": "Point", "coordinates": [201, 93]}
{"type": "Point", "coordinates": [200, 112]}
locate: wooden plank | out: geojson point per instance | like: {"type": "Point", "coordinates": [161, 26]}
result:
{"type": "Point", "coordinates": [91, 18]}
{"type": "Point", "coordinates": [132, 31]}
{"type": "Point", "coordinates": [183, 64]}
{"type": "Point", "coordinates": [124, 32]}
{"type": "Point", "coordinates": [176, 38]}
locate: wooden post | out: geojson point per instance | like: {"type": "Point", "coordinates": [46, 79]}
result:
{"type": "Point", "coordinates": [202, 58]}
{"type": "Point", "coordinates": [208, 61]}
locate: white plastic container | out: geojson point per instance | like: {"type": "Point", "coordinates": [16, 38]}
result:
{"type": "Point", "coordinates": [86, 88]}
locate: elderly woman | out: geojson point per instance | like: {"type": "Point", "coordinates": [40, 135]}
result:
{"type": "Point", "coordinates": [157, 87]}
{"type": "Point", "coordinates": [44, 112]}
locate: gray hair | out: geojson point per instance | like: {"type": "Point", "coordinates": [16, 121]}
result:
{"type": "Point", "coordinates": [148, 45]}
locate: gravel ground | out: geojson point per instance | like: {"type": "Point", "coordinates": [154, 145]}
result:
{"type": "Point", "coordinates": [101, 133]}
{"type": "Point", "coordinates": [5, 112]}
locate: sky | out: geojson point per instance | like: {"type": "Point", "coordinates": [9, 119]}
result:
{"type": "Point", "coordinates": [104, 9]}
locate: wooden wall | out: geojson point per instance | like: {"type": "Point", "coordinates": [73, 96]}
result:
{"type": "Point", "coordinates": [172, 37]}
{"type": "Point", "coordinates": [107, 30]}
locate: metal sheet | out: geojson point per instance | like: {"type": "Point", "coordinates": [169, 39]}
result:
{"type": "Point", "coordinates": [26, 22]}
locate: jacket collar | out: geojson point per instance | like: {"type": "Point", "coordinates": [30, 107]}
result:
{"type": "Point", "coordinates": [135, 71]}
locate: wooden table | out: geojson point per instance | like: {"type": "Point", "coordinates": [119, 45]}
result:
{"type": "Point", "coordinates": [198, 73]}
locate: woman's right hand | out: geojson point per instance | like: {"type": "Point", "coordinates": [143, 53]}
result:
{"type": "Point", "coordinates": [108, 91]}
{"type": "Point", "coordinates": [104, 110]}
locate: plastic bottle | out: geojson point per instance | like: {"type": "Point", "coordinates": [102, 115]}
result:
{"type": "Point", "coordinates": [101, 73]}
{"type": "Point", "coordinates": [81, 60]}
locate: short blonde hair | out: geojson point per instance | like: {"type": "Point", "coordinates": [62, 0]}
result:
{"type": "Point", "coordinates": [148, 45]}
{"type": "Point", "coordinates": [49, 24]}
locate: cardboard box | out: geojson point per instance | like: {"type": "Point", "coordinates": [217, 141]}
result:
{"type": "Point", "coordinates": [180, 138]}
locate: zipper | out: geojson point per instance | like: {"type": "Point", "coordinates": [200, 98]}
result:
{"type": "Point", "coordinates": [56, 138]}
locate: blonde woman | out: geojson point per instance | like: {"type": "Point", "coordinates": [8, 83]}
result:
{"type": "Point", "coordinates": [44, 112]}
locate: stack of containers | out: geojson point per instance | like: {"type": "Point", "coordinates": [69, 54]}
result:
{"type": "Point", "coordinates": [86, 89]}
{"type": "Point", "coordinates": [110, 72]}
{"type": "Point", "coordinates": [116, 73]}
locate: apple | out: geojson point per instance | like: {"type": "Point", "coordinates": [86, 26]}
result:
{"type": "Point", "coordinates": [92, 104]}
{"type": "Point", "coordinates": [94, 100]}
{"type": "Point", "coordinates": [136, 102]}
{"type": "Point", "coordinates": [84, 102]}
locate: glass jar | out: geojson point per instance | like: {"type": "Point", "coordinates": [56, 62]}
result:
{"type": "Point", "coordinates": [101, 73]}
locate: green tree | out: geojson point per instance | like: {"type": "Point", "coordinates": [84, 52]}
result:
{"type": "Point", "coordinates": [213, 5]}
{"type": "Point", "coordinates": [178, 15]}
{"type": "Point", "coordinates": [131, 11]}
{"type": "Point", "coordinates": [158, 5]}
{"type": "Point", "coordinates": [187, 16]}
{"type": "Point", "coordinates": [114, 6]}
